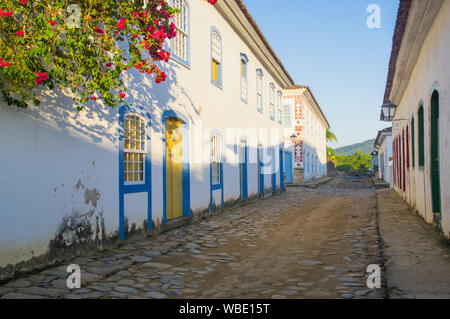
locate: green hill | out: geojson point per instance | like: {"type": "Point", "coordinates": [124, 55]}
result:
{"type": "Point", "coordinates": [365, 147]}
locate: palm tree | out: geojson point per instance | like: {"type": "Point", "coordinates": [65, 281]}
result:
{"type": "Point", "coordinates": [331, 136]}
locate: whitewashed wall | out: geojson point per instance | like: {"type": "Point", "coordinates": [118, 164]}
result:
{"type": "Point", "coordinates": [314, 136]}
{"type": "Point", "coordinates": [431, 71]}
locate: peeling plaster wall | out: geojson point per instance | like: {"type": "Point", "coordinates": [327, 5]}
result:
{"type": "Point", "coordinates": [431, 69]}
{"type": "Point", "coordinates": [57, 171]}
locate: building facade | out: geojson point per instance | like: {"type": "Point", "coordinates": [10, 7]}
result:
{"type": "Point", "coordinates": [208, 137]}
{"type": "Point", "coordinates": [304, 136]}
{"type": "Point", "coordinates": [418, 83]}
{"type": "Point", "coordinates": [383, 146]}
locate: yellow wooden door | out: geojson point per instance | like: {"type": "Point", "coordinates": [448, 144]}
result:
{"type": "Point", "coordinates": [174, 169]}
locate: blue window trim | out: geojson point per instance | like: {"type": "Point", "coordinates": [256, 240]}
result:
{"type": "Point", "coordinates": [187, 62]}
{"type": "Point", "coordinates": [219, 84]}
{"type": "Point", "coordinates": [281, 166]}
{"type": "Point", "coordinates": [186, 163]}
{"type": "Point", "coordinates": [280, 109]}
{"type": "Point", "coordinates": [214, 187]}
{"type": "Point", "coordinates": [245, 59]}
{"type": "Point", "coordinates": [132, 189]}
{"type": "Point", "coordinates": [272, 92]}
{"type": "Point", "coordinates": [244, 162]}
{"type": "Point", "coordinates": [259, 72]}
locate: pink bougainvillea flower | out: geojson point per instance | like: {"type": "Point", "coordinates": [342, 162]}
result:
{"type": "Point", "coordinates": [121, 24]}
{"type": "Point", "coordinates": [98, 30]}
{"type": "Point", "coordinates": [122, 95]}
{"type": "Point", "coordinates": [5, 13]}
{"type": "Point", "coordinates": [213, 2]}
{"type": "Point", "coordinates": [24, 2]}
{"type": "Point", "coordinates": [52, 22]}
{"type": "Point", "coordinates": [42, 77]}
{"type": "Point", "coordinates": [4, 64]}
{"type": "Point", "coordinates": [94, 98]}
{"type": "Point", "coordinates": [20, 33]}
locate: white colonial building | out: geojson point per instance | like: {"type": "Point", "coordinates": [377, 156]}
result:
{"type": "Point", "coordinates": [383, 147]}
{"type": "Point", "coordinates": [208, 137]}
{"type": "Point", "coordinates": [418, 86]}
{"type": "Point", "coordinates": [304, 136]}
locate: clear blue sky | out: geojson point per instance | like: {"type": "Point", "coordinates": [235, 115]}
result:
{"type": "Point", "coordinates": [327, 45]}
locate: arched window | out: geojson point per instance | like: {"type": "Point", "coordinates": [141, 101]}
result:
{"type": "Point", "coordinates": [421, 138]}
{"type": "Point", "coordinates": [135, 149]}
{"type": "Point", "coordinates": [216, 58]}
{"type": "Point", "coordinates": [272, 101]}
{"type": "Point", "coordinates": [180, 44]}
{"type": "Point", "coordinates": [280, 101]}
{"type": "Point", "coordinates": [216, 159]}
{"type": "Point", "coordinates": [259, 90]}
{"type": "Point", "coordinates": [243, 80]}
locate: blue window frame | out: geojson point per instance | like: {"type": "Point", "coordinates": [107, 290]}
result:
{"type": "Point", "coordinates": [272, 101]}
{"type": "Point", "coordinates": [180, 45]}
{"type": "Point", "coordinates": [279, 103]}
{"type": "Point", "coordinates": [134, 159]}
{"type": "Point", "coordinates": [259, 90]}
{"type": "Point", "coordinates": [216, 57]}
{"type": "Point", "coordinates": [243, 78]}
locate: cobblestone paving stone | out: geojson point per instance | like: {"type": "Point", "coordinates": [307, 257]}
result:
{"type": "Point", "coordinates": [305, 243]}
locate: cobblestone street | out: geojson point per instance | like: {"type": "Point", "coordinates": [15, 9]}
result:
{"type": "Point", "coordinates": [305, 243]}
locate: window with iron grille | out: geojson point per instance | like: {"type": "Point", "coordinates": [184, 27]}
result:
{"type": "Point", "coordinates": [216, 159]}
{"type": "Point", "coordinates": [135, 149]}
{"type": "Point", "coordinates": [180, 44]}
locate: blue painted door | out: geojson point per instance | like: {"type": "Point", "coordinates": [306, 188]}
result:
{"type": "Point", "coordinates": [274, 173]}
{"type": "Point", "coordinates": [281, 170]}
{"type": "Point", "coordinates": [243, 169]}
{"type": "Point", "coordinates": [289, 169]}
{"type": "Point", "coordinates": [260, 172]}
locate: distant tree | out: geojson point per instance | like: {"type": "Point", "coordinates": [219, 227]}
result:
{"type": "Point", "coordinates": [331, 137]}
{"type": "Point", "coordinates": [357, 162]}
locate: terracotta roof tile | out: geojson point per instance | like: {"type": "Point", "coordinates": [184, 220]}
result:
{"type": "Point", "coordinates": [400, 27]}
